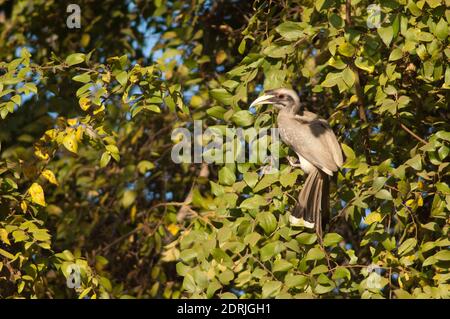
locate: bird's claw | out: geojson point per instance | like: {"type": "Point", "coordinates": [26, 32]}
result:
{"type": "Point", "coordinates": [292, 160]}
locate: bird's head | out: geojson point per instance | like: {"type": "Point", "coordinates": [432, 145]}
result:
{"type": "Point", "coordinates": [280, 98]}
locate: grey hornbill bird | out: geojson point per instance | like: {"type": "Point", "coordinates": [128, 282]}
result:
{"type": "Point", "coordinates": [317, 148]}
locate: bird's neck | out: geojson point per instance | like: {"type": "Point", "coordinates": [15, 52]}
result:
{"type": "Point", "coordinates": [292, 111]}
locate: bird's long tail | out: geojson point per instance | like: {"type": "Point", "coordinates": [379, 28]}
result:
{"type": "Point", "coordinates": [313, 200]}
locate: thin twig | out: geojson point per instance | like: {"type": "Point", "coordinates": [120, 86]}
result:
{"type": "Point", "coordinates": [406, 129]}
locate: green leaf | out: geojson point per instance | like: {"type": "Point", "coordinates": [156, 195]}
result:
{"type": "Point", "coordinates": [349, 153]}
{"type": "Point", "coordinates": [16, 99]}
{"type": "Point", "coordinates": [253, 202]}
{"type": "Point", "coordinates": [386, 34]}
{"type": "Point", "coordinates": [395, 55]}
{"type": "Point", "coordinates": [252, 238]}
{"type": "Point", "coordinates": [6, 254]}
{"type": "Point", "coordinates": [348, 76]}
{"type": "Point", "coordinates": [364, 64]}
{"type": "Point", "coordinates": [271, 289]}
{"type": "Point", "coordinates": [75, 58]}
{"type": "Point", "coordinates": [281, 265]}
{"type": "Point", "coordinates": [265, 182]}
{"type": "Point", "coordinates": [292, 281]}
{"type": "Point", "coordinates": [429, 261]}
{"type": "Point", "coordinates": [346, 49]}
{"type": "Point", "coordinates": [442, 255]}
{"type": "Point", "coordinates": [407, 246]}
{"type": "Point", "coordinates": [83, 78]}
{"type": "Point", "coordinates": [243, 118]}
{"type": "Point", "coordinates": [270, 250]}
{"type": "Point", "coordinates": [251, 178]}
{"type": "Point", "coordinates": [332, 239]}
{"type": "Point", "coordinates": [415, 162]}
{"type": "Point", "coordinates": [216, 111]}
{"type": "Point", "coordinates": [275, 51]}
{"type": "Point", "coordinates": [128, 198]}
{"type": "Point", "coordinates": [315, 254]}
{"type": "Point", "coordinates": [443, 135]}
{"type": "Point", "coordinates": [104, 160]}
{"type": "Point", "coordinates": [384, 194]}
{"type": "Point", "coordinates": [289, 30]}
{"type": "Point", "coordinates": [442, 30]}
{"type": "Point", "coordinates": [402, 294]}
{"type": "Point", "coordinates": [341, 273]}
{"type": "Point", "coordinates": [222, 96]}
{"type": "Point", "coordinates": [289, 179]}
{"type": "Point", "coordinates": [331, 79]}
{"type": "Point", "coordinates": [443, 188]}
{"type": "Point", "coordinates": [443, 152]}
{"type": "Point", "coordinates": [226, 176]}
{"type": "Point", "coordinates": [321, 289]}
{"type": "Point", "coordinates": [306, 238]}
{"type": "Point", "coordinates": [267, 221]}
{"type": "Point", "coordinates": [319, 270]}
{"type": "Point", "coordinates": [112, 149]}
{"type": "Point", "coordinates": [122, 78]}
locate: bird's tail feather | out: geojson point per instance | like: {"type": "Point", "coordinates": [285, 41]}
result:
{"type": "Point", "coordinates": [313, 200]}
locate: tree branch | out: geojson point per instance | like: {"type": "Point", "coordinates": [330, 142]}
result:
{"type": "Point", "coordinates": [406, 129]}
{"type": "Point", "coordinates": [359, 91]}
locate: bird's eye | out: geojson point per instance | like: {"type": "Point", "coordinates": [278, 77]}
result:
{"type": "Point", "coordinates": [281, 96]}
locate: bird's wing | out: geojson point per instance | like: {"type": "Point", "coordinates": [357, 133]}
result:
{"type": "Point", "coordinates": [332, 142]}
{"type": "Point", "coordinates": [315, 141]}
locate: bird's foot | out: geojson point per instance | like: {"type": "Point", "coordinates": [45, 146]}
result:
{"type": "Point", "coordinates": [292, 160]}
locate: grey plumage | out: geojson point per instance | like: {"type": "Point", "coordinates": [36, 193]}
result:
{"type": "Point", "coordinates": [317, 148]}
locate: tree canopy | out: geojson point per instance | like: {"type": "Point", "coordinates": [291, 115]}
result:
{"type": "Point", "coordinates": [88, 187]}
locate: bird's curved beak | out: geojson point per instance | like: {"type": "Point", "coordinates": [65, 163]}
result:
{"type": "Point", "coordinates": [263, 99]}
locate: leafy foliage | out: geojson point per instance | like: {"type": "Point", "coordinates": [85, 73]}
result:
{"type": "Point", "coordinates": [86, 177]}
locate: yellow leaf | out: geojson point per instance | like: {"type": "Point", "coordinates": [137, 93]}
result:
{"type": "Point", "coordinates": [72, 122]}
{"type": "Point", "coordinates": [196, 101]}
{"type": "Point", "coordinates": [79, 133]}
{"type": "Point", "coordinates": [37, 194]}
{"type": "Point", "coordinates": [133, 78]}
{"type": "Point", "coordinates": [85, 38]}
{"type": "Point", "coordinates": [409, 202]}
{"type": "Point", "coordinates": [420, 201]}
{"type": "Point", "coordinates": [220, 57]}
{"type": "Point", "coordinates": [70, 143]}
{"type": "Point", "coordinates": [6, 254]}
{"type": "Point", "coordinates": [133, 213]}
{"type": "Point", "coordinates": [85, 103]}
{"type": "Point", "coordinates": [106, 77]}
{"type": "Point", "coordinates": [24, 206]}
{"type": "Point", "coordinates": [40, 155]}
{"type": "Point", "coordinates": [48, 174]}
{"type": "Point", "coordinates": [173, 229]}
{"type": "Point", "coordinates": [372, 218]}
{"type": "Point", "coordinates": [4, 236]}
{"type": "Point", "coordinates": [100, 109]}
